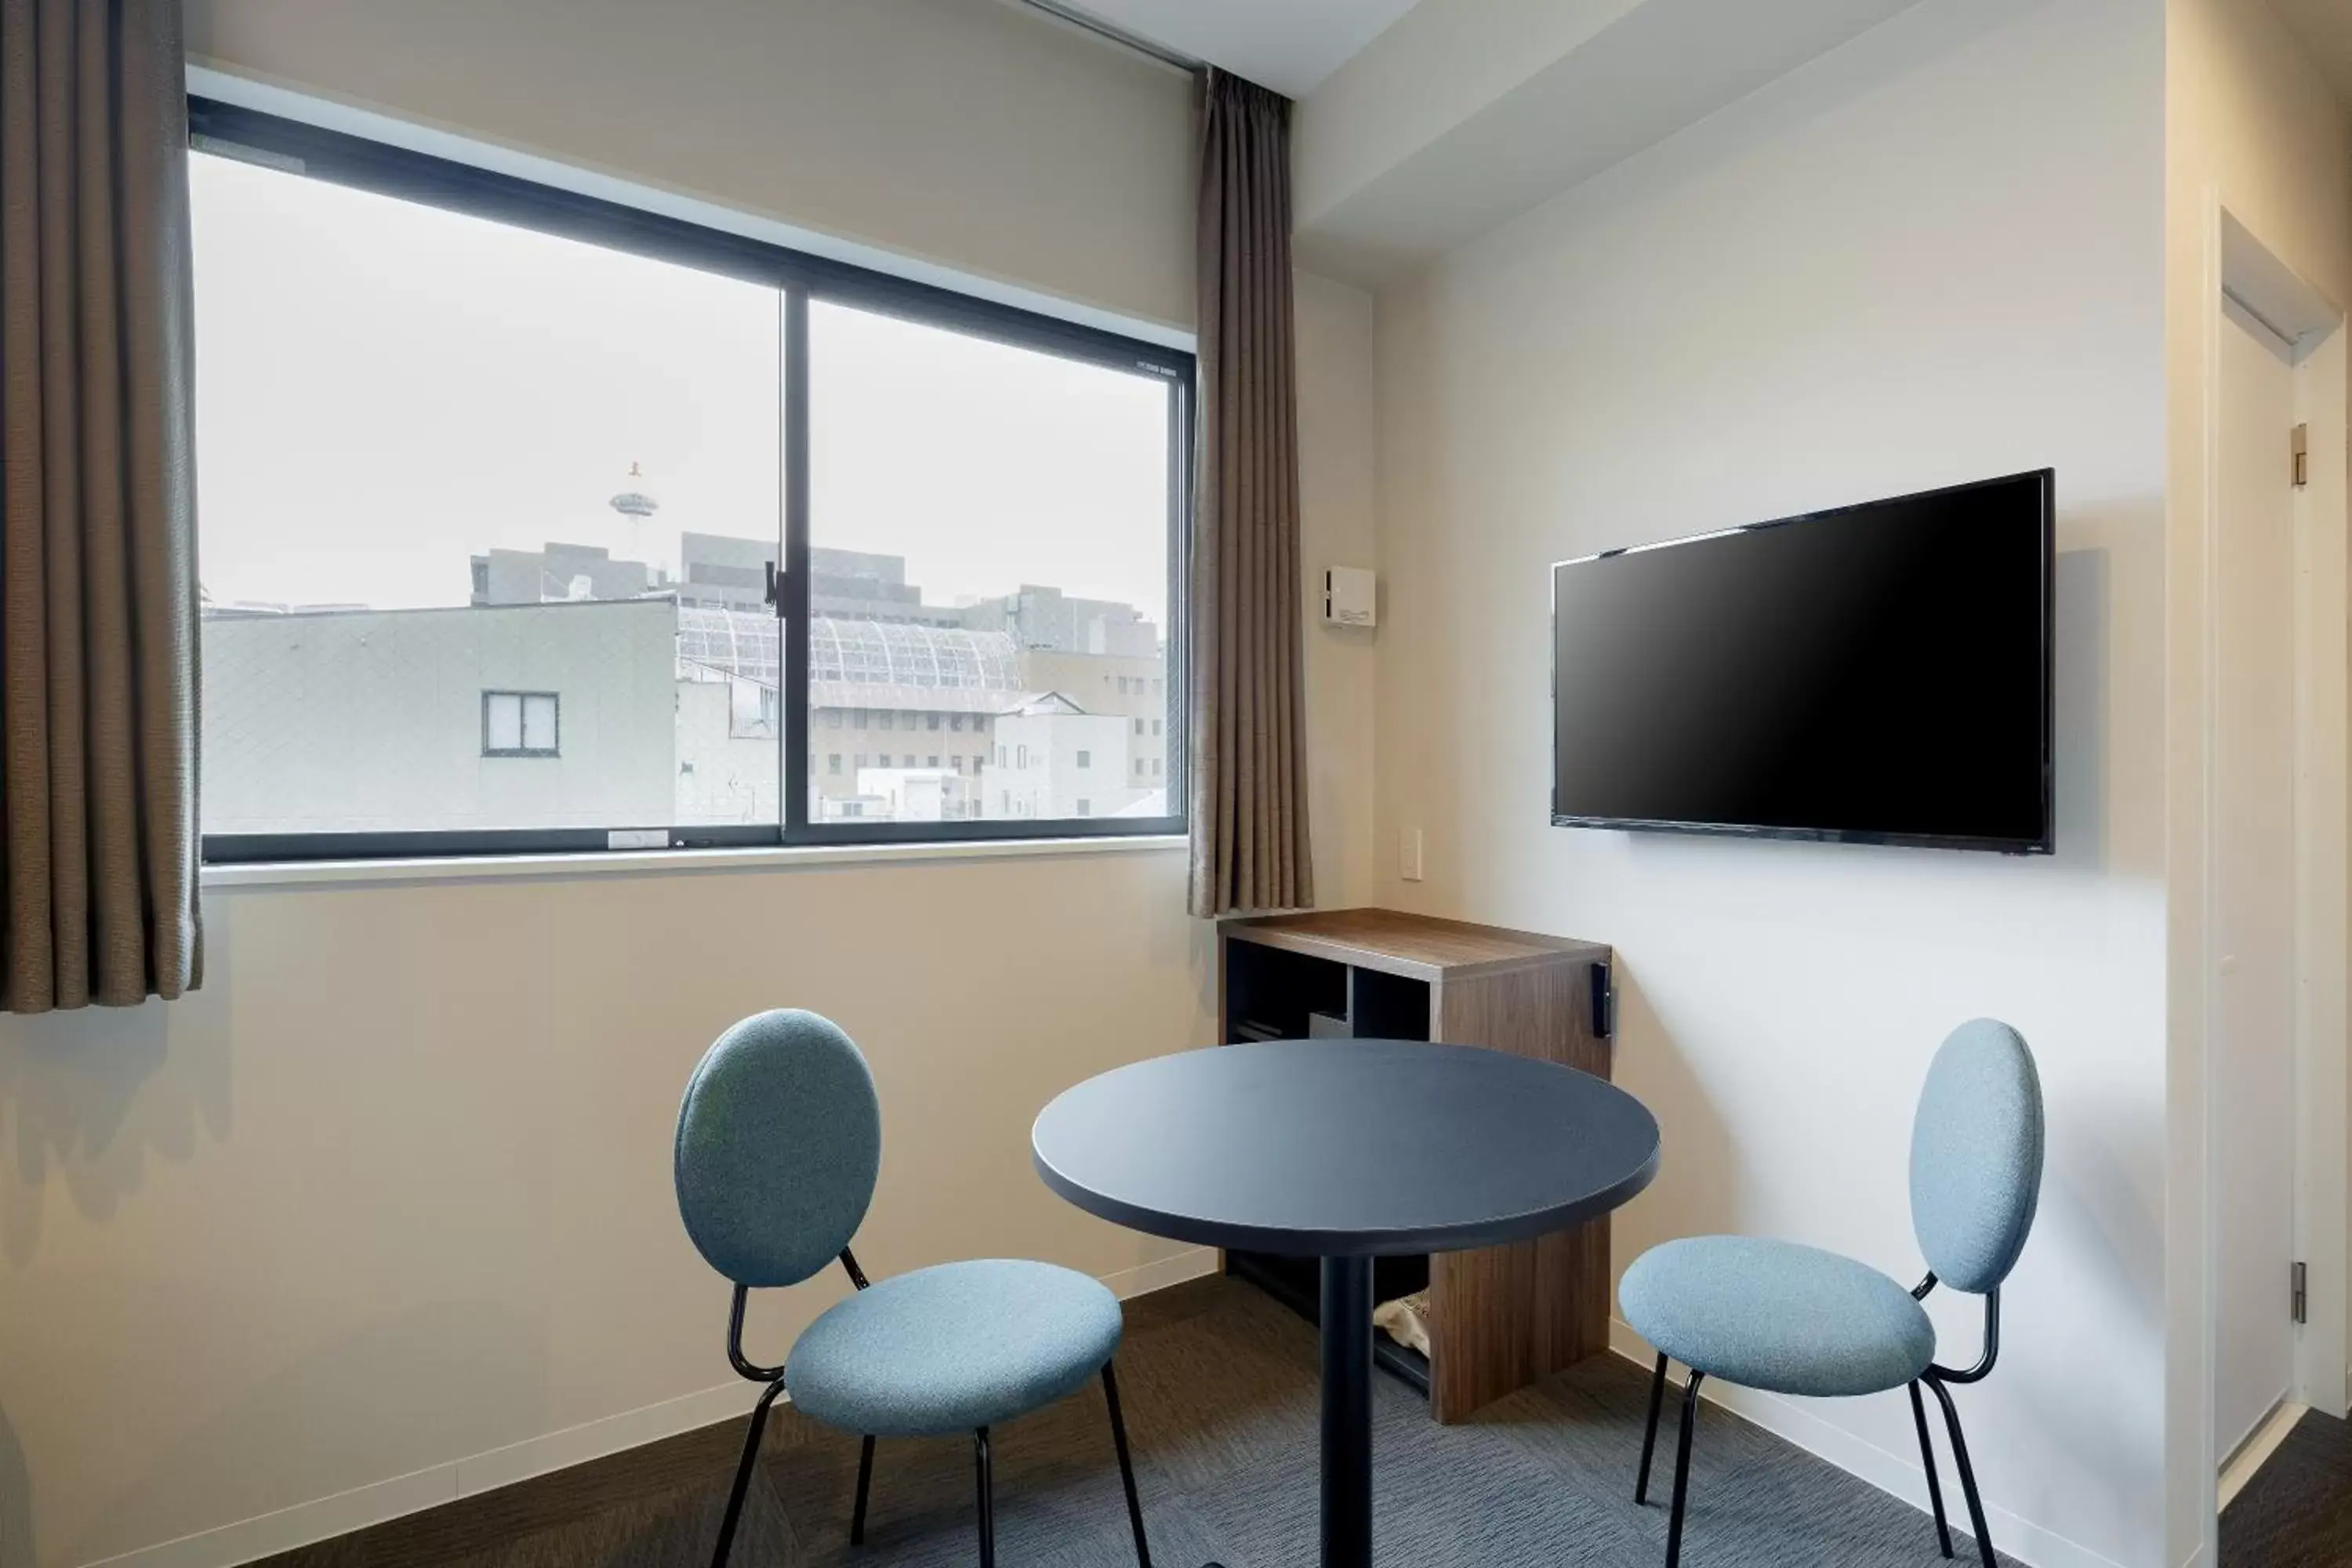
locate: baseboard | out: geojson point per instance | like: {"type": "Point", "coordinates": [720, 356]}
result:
{"type": "Point", "coordinates": [2256, 1450]}
{"type": "Point", "coordinates": [379, 1503]}
{"type": "Point", "coordinates": [1894, 1474]}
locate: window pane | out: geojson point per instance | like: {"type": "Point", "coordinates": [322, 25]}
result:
{"type": "Point", "coordinates": [989, 528]}
{"type": "Point", "coordinates": [539, 723]}
{"type": "Point", "coordinates": [503, 715]}
{"type": "Point", "coordinates": [443, 457]}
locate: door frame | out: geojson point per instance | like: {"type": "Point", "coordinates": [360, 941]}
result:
{"type": "Point", "coordinates": [2249, 272]}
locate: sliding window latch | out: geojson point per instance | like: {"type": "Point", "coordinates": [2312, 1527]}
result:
{"type": "Point", "coordinates": [2302, 1297]}
{"type": "Point", "coordinates": [775, 589]}
{"type": "Point", "coordinates": [2302, 466]}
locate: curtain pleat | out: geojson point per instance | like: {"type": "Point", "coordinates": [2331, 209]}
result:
{"type": "Point", "coordinates": [99, 848]}
{"type": "Point", "coordinates": [1250, 847]}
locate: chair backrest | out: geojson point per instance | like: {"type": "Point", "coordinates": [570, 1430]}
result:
{"type": "Point", "coordinates": [1976, 1155]}
{"type": "Point", "coordinates": [779, 1143]}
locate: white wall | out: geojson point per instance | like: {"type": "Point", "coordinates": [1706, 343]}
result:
{"type": "Point", "coordinates": [1337, 435]}
{"type": "Point", "coordinates": [2253, 128]}
{"type": "Point", "coordinates": [953, 131]}
{"type": "Point", "coordinates": [1933, 256]}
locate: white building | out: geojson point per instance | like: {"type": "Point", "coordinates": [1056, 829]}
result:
{"type": "Point", "coordinates": [1054, 759]}
{"type": "Point", "coordinates": [412, 721]}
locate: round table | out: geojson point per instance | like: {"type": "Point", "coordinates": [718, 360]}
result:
{"type": "Point", "coordinates": [1345, 1151]}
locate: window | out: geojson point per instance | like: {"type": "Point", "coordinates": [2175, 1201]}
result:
{"type": "Point", "coordinates": [564, 445]}
{"type": "Point", "coordinates": [1085, 759]}
{"type": "Point", "coordinates": [932, 763]}
{"type": "Point", "coordinates": [1085, 808]}
{"type": "Point", "coordinates": [1155, 726]}
{"type": "Point", "coordinates": [520, 724]}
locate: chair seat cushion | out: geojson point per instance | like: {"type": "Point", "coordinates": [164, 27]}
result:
{"type": "Point", "coordinates": [950, 1349]}
{"type": "Point", "coordinates": [1777, 1316]}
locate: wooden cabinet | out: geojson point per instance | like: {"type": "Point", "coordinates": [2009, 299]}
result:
{"type": "Point", "coordinates": [1504, 1316]}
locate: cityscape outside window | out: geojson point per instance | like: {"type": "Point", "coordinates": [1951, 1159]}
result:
{"type": "Point", "coordinates": [459, 474]}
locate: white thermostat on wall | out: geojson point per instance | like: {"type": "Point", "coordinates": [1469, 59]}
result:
{"type": "Point", "coordinates": [1350, 596]}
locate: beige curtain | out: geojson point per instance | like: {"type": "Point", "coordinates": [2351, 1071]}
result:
{"type": "Point", "coordinates": [1249, 767]}
{"type": "Point", "coordinates": [98, 585]}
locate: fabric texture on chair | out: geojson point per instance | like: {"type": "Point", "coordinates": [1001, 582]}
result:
{"type": "Point", "coordinates": [953, 1348]}
{"type": "Point", "coordinates": [1777, 1316]}
{"type": "Point", "coordinates": [779, 1144]}
{"type": "Point", "coordinates": [1976, 1156]}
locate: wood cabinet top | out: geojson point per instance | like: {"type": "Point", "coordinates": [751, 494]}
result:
{"type": "Point", "coordinates": [1419, 947]}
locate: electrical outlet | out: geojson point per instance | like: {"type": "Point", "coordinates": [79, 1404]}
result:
{"type": "Point", "coordinates": [1409, 854]}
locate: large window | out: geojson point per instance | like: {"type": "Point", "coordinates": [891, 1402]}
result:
{"type": "Point", "coordinates": [532, 522]}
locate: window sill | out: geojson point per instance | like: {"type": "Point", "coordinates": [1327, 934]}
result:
{"type": "Point", "coordinates": [664, 862]}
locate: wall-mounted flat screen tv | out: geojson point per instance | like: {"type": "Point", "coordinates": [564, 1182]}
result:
{"type": "Point", "coordinates": [1877, 674]}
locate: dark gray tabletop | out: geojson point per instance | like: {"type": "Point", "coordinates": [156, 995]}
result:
{"type": "Point", "coordinates": [1340, 1148]}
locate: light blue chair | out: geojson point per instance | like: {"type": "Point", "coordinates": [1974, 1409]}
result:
{"type": "Point", "coordinates": [779, 1145]}
{"type": "Point", "coordinates": [1796, 1319]}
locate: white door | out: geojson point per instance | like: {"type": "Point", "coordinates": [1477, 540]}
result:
{"type": "Point", "coordinates": [2253, 877]}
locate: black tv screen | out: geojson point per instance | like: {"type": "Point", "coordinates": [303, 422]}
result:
{"type": "Point", "coordinates": [1880, 673]}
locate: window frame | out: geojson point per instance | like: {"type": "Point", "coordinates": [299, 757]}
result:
{"type": "Point", "coordinates": [553, 751]}
{"type": "Point", "coordinates": [295, 147]}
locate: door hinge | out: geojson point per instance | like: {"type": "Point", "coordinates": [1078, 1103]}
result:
{"type": "Point", "coordinates": [2302, 1296]}
{"type": "Point", "coordinates": [2301, 456]}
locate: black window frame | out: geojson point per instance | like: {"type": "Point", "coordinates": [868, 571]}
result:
{"type": "Point", "coordinates": [295, 147]}
{"type": "Point", "coordinates": [522, 725]}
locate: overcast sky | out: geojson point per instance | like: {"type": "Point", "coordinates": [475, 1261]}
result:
{"type": "Point", "coordinates": [385, 389]}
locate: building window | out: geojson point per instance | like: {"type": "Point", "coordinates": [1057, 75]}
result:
{"type": "Point", "coordinates": [1085, 808]}
{"type": "Point", "coordinates": [957, 564]}
{"type": "Point", "coordinates": [521, 724]}
{"type": "Point", "coordinates": [1085, 759]}
{"type": "Point", "coordinates": [932, 763]}
{"type": "Point", "coordinates": [1155, 726]}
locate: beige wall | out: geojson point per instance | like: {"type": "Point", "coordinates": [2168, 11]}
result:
{"type": "Point", "coordinates": [2253, 128]}
{"type": "Point", "coordinates": [383, 1213]}
{"type": "Point", "coordinates": [1931, 257]}
{"type": "Point", "coordinates": [956, 131]}
{"type": "Point", "coordinates": [1337, 431]}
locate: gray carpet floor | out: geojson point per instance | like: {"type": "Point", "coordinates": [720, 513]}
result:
{"type": "Point", "coordinates": [2297, 1510]}
{"type": "Point", "coordinates": [1219, 1384]}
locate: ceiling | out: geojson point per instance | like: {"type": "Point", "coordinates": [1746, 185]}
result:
{"type": "Point", "coordinates": [1289, 46]}
{"type": "Point", "coordinates": [2325, 28]}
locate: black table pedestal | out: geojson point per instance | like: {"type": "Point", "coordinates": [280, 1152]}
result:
{"type": "Point", "coordinates": [1347, 1412]}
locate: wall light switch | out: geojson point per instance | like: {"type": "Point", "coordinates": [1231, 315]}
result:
{"type": "Point", "coordinates": [1350, 596]}
{"type": "Point", "coordinates": [1409, 854]}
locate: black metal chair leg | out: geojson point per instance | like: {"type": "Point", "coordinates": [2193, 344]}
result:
{"type": "Point", "coordinates": [1967, 1473]}
{"type": "Point", "coordinates": [1927, 1458]}
{"type": "Point", "coordinates": [1682, 1468]}
{"type": "Point", "coordinates": [1650, 1432]}
{"type": "Point", "coordinates": [864, 1480]}
{"type": "Point", "coordinates": [1126, 1466]}
{"type": "Point", "coordinates": [743, 1474]}
{"type": "Point", "coordinates": [987, 1501]}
